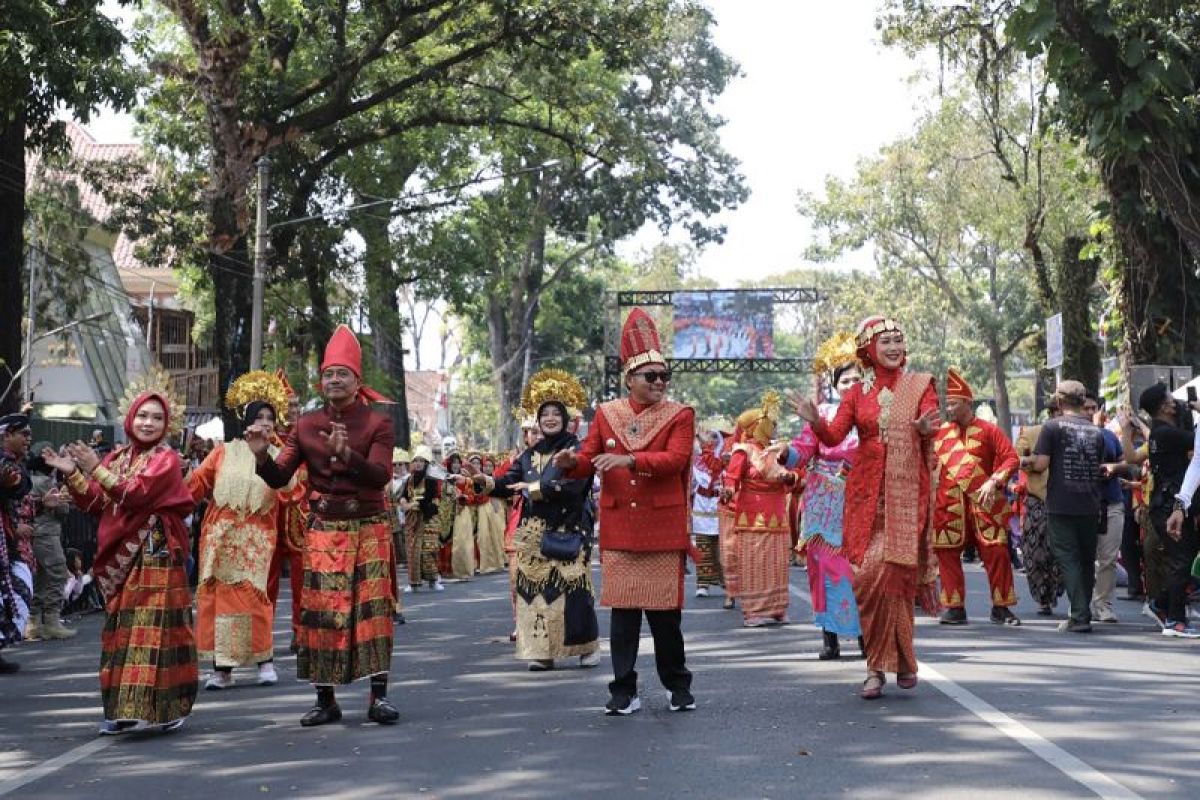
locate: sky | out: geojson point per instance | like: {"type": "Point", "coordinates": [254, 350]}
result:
{"type": "Point", "coordinates": [819, 93]}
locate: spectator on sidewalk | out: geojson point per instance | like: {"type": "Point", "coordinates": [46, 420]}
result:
{"type": "Point", "coordinates": [1072, 448]}
{"type": "Point", "coordinates": [50, 505]}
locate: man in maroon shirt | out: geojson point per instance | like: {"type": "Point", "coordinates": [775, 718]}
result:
{"type": "Point", "coordinates": [642, 448]}
{"type": "Point", "coordinates": [346, 617]}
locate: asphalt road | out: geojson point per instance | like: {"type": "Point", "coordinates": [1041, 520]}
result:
{"type": "Point", "coordinates": [1001, 712]}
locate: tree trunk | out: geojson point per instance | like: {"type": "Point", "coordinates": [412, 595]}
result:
{"type": "Point", "coordinates": [1139, 270]}
{"type": "Point", "coordinates": [383, 311]}
{"type": "Point", "coordinates": [997, 362]}
{"type": "Point", "coordinates": [312, 257]}
{"type": "Point", "coordinates": [12, 255]}
{"type": "Point", "coordinates": [1076, 276]}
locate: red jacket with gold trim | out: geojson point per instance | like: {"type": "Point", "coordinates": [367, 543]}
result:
{"type": "Point", "coordinates": [644, 509]}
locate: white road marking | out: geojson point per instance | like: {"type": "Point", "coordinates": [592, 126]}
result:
{"type": "Point", "coordinates": [55, 764]}
{"type": "Point", "coordinates": [1074, 768]}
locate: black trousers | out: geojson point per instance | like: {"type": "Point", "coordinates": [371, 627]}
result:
{"type": "Point", "coordinates": [624, 634]}
{"type": "Point", "coordinates": [1131, 552]}
{"type": "Point", "coordinates": [1178, 562]}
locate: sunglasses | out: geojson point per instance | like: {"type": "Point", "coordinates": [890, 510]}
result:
{"type": "Point", "coordinates": [654, 377]}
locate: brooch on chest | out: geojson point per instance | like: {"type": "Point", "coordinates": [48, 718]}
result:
{"type": "Point", "coordinates": [885, 400]}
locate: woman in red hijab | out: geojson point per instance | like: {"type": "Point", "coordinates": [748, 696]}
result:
{"type": "Point", "coordinates": [886, 527]}
{"type": "Point", "coordinates": [148, 668]}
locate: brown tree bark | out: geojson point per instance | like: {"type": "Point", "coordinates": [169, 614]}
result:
{"type": "Point", "coordinates": [12, 255]}
{"type": "Point", "coordinates": [1076, 277]}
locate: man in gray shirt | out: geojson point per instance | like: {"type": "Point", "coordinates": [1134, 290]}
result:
{"type": "Point", "coordinates": [1072, 448]}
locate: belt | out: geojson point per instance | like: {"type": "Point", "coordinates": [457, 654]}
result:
{"type": "Point", "coordinates": [344, 507]}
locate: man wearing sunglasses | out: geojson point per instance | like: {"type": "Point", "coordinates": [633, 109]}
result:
{"type": "Point", "coordinates": [641, 446]}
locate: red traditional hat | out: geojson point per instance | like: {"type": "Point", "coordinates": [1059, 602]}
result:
{"type": "Point", "coordinates": [344, 350]}
{"type": "Point", "coordinates": [639, 342]}
{"type": "Point", "coordinates": [956, 386]}
{"type": "Point", "coordinates": [287, 385]}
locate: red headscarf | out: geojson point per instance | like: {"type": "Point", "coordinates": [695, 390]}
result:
{"type": "Point", "coordinates": [141, 400]}
{"type": "Point", "coordinates": [866, 340]}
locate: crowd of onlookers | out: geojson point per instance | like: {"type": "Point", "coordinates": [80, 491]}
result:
{"type": "Point", "coordinates": [1117, 500]}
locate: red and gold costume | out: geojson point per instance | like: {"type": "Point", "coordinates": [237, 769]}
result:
{"type": "Point", "coordinates": [887, 515]}
{"type": "Point", "coordinates": [292, 522]}
{"type": "Point", "coordinates": [148, 672]}
{"type": "Point", "coordinates": [760, 519]}
{"type": "Point", "coordinates": [492, 514]}
{"type": "Point", "coordinates": [234, 613]}
{"type": "Point", "coordinates": [346, 622]}
{"type": "Point", "coordinates": [643, 515]}
{"type": "Point", "coordinates": [970, 456]}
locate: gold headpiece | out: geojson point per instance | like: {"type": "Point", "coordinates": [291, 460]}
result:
{"type": "Point", "coordinates": [258, 385]}
{"type": "Point", "coordinates": [155, 381]}
{"type": "Point", "coordinates": [759, 423]}
{"type": "Point", "coordinates": [552, 384]}
{"type": "Point", "coordinates": [836, 351]}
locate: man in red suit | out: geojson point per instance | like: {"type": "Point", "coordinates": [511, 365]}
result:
{"type": "Point", "coordinates": [642, 448]}
{"type": "Point", "coordinates": [348, 596]}
{"type": "Point", "coordinates": [976, 462]}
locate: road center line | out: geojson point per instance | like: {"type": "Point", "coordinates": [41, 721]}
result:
{"type": "Point", "coordinates": [1077, 770]}
{"type": "Point", "coordinates": [55, 764]}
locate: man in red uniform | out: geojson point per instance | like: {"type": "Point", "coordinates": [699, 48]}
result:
{"type": "Point", "coordinates": [976, 461]}
{"type": "Point", "coordinates": [642, 448]}
{"type": "Point", "coordinates": [346, 619]}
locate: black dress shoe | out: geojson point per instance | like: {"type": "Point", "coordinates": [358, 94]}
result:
{"type": "Point", "coordinates": [398, 618]}
{"type": "Point", "coordinates": [953, 616]}
{"type": "Point", "coordinates": [1001, 615]}
{"type": "Point", "coordinates": [8, 667]}
{"type": "Point", "coordinates": [832, 649]}
{"type": "Point", "coordinates": [321, 715]}
{"type": "Point", "coordinates": [383, 712]}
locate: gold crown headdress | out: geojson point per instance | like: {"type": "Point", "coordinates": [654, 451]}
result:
{"type": "Point", "coordinates": [258, 385]}
{"type": "Point", "coordinates": [836, 351]}
{"type": "Point", "coordinates": [155, 381]}
{"type": "Point", "coordinates": [759, 423]}
{"type": "Point", "coordinates": [552, 384]}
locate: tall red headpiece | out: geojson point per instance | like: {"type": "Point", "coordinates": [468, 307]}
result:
{"type": "Point", "coordinates": [344, 350]}
{"type": "Point", "coordinates": [287, 385]}
{"type": "Point", "coordinates": [639, 342]}
{"type": "Point", "coordinates": [956, 386]}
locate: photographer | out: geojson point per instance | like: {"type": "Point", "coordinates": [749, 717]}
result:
{"type": "Point", "coordinates": [1170, 446]}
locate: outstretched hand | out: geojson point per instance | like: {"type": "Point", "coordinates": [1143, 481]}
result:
{"type": "Point", "coordinates": [806, 408]}
{"type": "Point", "coordinates": [565, 460]}
{"type": "Point", "coordinates": [64, 464]}
{"type": "Point", "coordinates": [1175, 525]}
{"type": "Point", "coordinates": [84, 456]}
{"type": "Point", "coordinates": [928, 422]}
{"type": "Point", "coordinates": [258, 437]}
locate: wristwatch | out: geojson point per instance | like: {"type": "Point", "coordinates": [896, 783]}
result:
{"type": "Point", "coordinates": [1178, 506]}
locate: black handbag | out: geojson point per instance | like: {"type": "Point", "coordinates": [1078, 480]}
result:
{"type": "Point", "coordinates": [561, 545]}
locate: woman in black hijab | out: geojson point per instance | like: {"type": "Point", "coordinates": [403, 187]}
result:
{"type": "Point", "coordinates": [556, 616]}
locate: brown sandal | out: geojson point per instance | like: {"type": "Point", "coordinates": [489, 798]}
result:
{"type": "Point", "coordinates": [906, 680]}
{"type": "Point", "coordinates": [872, 688]}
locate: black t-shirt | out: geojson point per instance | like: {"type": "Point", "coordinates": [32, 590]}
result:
{"type": "Point", "coordinates": [1076, 448]}
{"type": "Point", "coordinates": [1170, 447]}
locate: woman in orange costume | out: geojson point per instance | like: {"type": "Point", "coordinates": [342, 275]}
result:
{"type": "Point", "coordinates": [237, 541]}
{"type": "Point", "coordinates": [886, 524]}
{"type": "Point", "coordinates": [147, 650]}
{"type": "Point", "coordinates": [758, 486]}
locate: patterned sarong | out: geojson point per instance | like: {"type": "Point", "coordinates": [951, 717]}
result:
{"type": "Point", "coordinates": [652, 581]}
{"type": "Point", "coordinates": [148, 669]}
{"type": "Point", "coordinates": [728, 549]}
{"type": "Point", "coordinates": [708, 565]}
{"type": "Point", "coordinates": [346, 622]}
{"type": "Point", "coordinates": [763, 562]}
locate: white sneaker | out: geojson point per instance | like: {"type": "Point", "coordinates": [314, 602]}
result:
{"type": "Point", "coordinates": [408, 589]}
{"type": "Point", "coordinates": [702, 591]}
{"type": "Point", "coordinates": [438, 586]}
{"type": "Point", "coordinates": [267, 675]}
{"type": "Point", "coordinates": [219, 680]}
{"type": "Point", "coordinates": [589, 660]}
